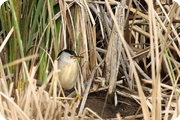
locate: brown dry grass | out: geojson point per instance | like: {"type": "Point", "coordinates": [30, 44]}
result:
{"type": "Point", "coordinates": [134, 46]}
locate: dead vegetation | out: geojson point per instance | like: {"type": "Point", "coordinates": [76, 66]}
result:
{"type": "Point", "coordinates": [130, 49]}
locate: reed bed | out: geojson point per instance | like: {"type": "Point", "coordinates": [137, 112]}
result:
{"type": "Point", "coordinates": [130, 49]}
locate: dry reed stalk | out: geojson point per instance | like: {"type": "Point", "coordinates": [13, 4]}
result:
{"type": "Point", "coordinates": [89, 28]}
{"type": "Point", "coordinates": [89, 82]}
{"type": "Point", "coordinates": [6, 39]}
{"type": "Point", "coordinates": [156, 103]}
{"type": "Point", "coordinates": [114, 51]}
{"type": "Point", "coordinates": [86, 110]}
{"type": "Point", "coordinates": [84, 44]}
{"type": "Point", "coordinates": [144, 106]}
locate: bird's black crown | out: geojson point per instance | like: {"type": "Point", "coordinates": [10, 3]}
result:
{"type": "Point", "coordinates": [68, 51]}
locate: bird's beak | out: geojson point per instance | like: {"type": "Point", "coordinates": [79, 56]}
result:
{"type": "Point", "coordinates": [77, 57]}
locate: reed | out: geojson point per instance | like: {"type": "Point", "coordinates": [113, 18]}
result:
{"type": "Point", "coordinates": [130, 49]}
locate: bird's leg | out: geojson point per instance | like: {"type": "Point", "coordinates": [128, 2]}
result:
{"type": "Point", "coordinates": [78, 96]}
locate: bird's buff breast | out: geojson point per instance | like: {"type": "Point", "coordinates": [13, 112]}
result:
{"type": "Point", "coordinates": [68, 75]}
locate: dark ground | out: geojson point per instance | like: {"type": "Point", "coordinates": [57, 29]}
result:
{"type": "Point", "coordinates": [95, 101]}
{"type": "Point", "coordinates": [125, 107]}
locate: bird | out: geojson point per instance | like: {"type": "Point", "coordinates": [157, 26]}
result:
{"type": "Point", "coordinates": [69, 69]}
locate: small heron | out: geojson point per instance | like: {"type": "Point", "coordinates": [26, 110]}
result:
{"type": "Point", "coordinates": [68, 64]}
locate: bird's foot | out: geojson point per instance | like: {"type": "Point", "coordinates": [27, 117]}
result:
{"type": "Point", "coordinates": [78, 96]}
